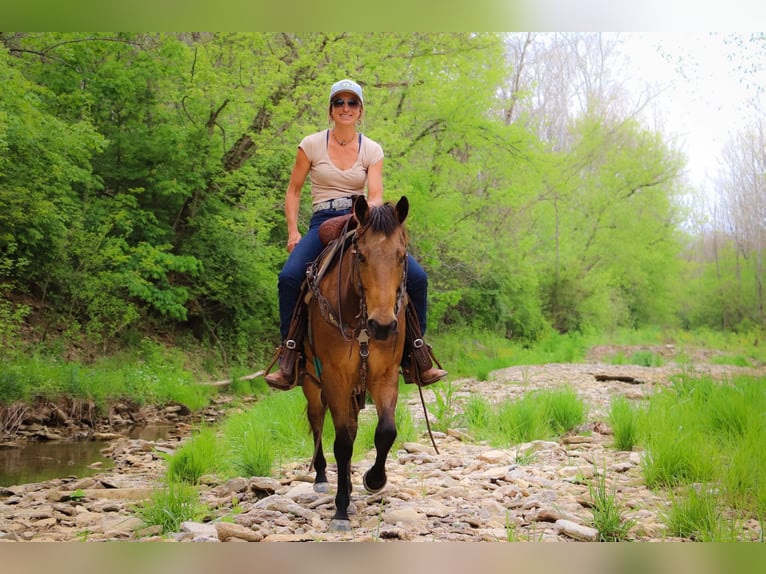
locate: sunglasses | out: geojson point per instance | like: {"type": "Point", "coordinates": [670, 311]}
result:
{"type": "Point", "coordinates": [340, 102]}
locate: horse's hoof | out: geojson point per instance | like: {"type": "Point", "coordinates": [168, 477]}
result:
{"type": "Point", "coordinates": [371, 488]}
{"type": "Point", "coordinates": [338, 525]}
{"type": "Point", "coordinates": [322, 487]}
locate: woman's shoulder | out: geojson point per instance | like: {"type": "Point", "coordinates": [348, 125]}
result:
{"type": "Point", "coordinates": [372, 149]}
{"type": "Point", "coordinates": [313, 144]}
{"type": "Point", "coordinates": [314, 139]}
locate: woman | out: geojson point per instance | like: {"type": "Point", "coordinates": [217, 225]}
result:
{"type": "Point", "coordinates": [339, 162]}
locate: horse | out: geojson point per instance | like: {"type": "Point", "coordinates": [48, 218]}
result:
{"type": "Point", "coordinates": [354, 345]}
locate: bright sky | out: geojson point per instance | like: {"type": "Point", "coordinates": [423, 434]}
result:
{"type": "Point", "coordinates": [708, 96]}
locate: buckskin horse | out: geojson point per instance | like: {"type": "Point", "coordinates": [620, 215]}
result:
{"type": "Point", "coordinates": [354, 346]}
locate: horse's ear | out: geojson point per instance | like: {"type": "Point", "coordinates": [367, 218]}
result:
{"type": "Point", "coordinates": [402, 208]}
{"type": "Point", "coordinates": [361, 210]}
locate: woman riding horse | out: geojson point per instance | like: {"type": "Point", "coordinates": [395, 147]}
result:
{"type": "Point", "coordinates": [340, 162]}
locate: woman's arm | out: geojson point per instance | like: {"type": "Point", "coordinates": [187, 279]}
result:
{"type": "Point", "coordinates": [375, 184]}
{"type": "Point", "coordinates": [293, 198]}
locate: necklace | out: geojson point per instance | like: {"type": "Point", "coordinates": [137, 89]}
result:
{"type": "Point", "coordinates": [341, 142]}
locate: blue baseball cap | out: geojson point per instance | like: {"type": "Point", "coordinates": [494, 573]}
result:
{"type": "Point", "coordinates": [346, 86]}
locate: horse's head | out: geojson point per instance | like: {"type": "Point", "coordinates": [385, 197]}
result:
{"type": "Point", "coordinates": [380, 251]}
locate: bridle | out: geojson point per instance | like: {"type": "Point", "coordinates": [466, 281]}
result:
{"type": "Point", "coordinates": [314, 274]}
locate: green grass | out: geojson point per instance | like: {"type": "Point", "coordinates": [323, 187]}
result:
{"type": "Point", "coordinates": [143, 378]}
{"type": "Point", "coordinates": [170, 505]}
{"type": "Point", "coordinates": [700, 431]}
{"type": "Point", "coordinates": [537, 415]}
{"type": "Point", "coordinates": [198, 456]}
{"type": "Point", "coordinates": [471, 353]}
{"type": "Point", "coordinates": [607, 516]}
{"type": "Point", "coordinates": [696, 513]}
{"type": "Point", "coordinates": [443, 411]}
{"type": "Point", "coordinates": [641, 358]}
{"type": "Point", "coordinates": [624, 419]}
{"type": "Point", "coordinates": [254, 442]}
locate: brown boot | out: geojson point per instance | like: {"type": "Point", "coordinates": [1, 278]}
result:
{"type": "Point", "coordinates": [420, 370]}
{"type": "Point", "coordinates": [285, 378]}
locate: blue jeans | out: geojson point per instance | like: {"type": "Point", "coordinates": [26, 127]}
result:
{"type": "Point", "coordinates": [309, 247]}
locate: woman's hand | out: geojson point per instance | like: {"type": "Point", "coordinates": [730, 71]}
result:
{"type": "Point", "coordinates": [292, 240]}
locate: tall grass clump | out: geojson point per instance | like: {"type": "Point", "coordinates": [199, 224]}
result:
{"type": "Point", "coordinates": [538, 415]}
{"type": "Point", "coordinates": [200, 455]}
{"type": "Point", "coordinates": [677, 450]}
{"type": "Point", "coordinates": [704, 431]}
{"type": "Point", "coordinates": [170, 505]}
{"type": "Point", "coordinates": [607, 516]}
{"type": "Point", "coordinates": [406, 431]}
{"type": "Point", "coordinates": [274, 428]}
{"type": "Point", "coordinates": [695, 513]}
{"type": "Point", "coordinates": [624, 419]}
{"type": "Point", "coordinates": [250, 445]}
{"type": "Point", "coordinates": [564, 409]}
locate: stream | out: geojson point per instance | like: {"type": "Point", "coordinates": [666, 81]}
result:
{"type": "Point", "coordinates": [38, 461]}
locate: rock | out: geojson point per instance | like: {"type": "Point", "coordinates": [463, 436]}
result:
{"type": "Point", "coordinates": [577, 531]}
{"type": "Point", "coordinates": [415, 447]}
{"type": "Point", "coordinates": [264, 484]}
{"type": "Point", "coordinates": [198, 532]}
{"type": "Point", "coordinates": [233, 486]}
{"type": "Point", "coordinates": [116, 526]}
{"type": "Point", "coordinates": [496, 457]}
{"type": "Point", "coordinates": [228, 530]}
{"type": "Point", "coordinates": [405, 515]}
{"type": "Point", "coordinates": [576, 473]}
{"type": "Point", "coordinates": [302, 491]}
{"type": "Point", "coordinates": [577, 439]}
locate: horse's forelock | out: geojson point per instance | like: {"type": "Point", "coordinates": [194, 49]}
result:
{"type": "Point", "coordinates": [383, 219]}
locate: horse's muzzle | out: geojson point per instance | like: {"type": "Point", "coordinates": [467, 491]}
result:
{"type": "Point", "coordinates": [380, 331]}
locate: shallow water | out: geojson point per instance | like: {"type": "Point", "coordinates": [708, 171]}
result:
{"type": "Point", "coordinates": [40, 461]}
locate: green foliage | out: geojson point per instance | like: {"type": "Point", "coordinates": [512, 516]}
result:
{"type": "Point", "coordinates": [171, 505]}
{"type": "Point", "coordinates": [705, 431]}
{"type": "Point", "coordinates": [147, 185]}
{"type": "Point", "coordinates": [150, 374]}
{"type": "Point", "coordinates": [11, 319]}
{"type": "Point", "coordinates": [565, 410]}
{"type": "Point", "coordinates": [406, 431]}
{"type": "Point", "coordinates": [466, 352]}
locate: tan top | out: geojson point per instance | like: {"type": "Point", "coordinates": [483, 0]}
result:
{"type": "Point", "coordinates": [327, 181]}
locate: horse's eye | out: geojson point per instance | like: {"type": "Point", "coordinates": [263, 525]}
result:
{"type": "Point", "coordinates": [362, 258]}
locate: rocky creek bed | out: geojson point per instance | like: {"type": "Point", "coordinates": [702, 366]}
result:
{"type": "Point", "coordinates": [537, 491]}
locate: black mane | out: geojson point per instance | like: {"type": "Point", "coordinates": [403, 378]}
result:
{"type": "Point", "coordinates": [383, 219]}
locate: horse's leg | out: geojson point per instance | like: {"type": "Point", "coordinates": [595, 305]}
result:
{"type": "Point", "coordinates": [316, 410]}
{"type": "Point", "coordinates": [345, 434]}
{"type": "Point", "coordinates": [385, 434]}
